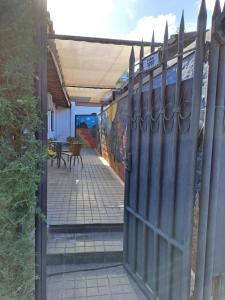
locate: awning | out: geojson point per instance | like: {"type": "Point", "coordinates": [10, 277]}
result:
{"type": "Point", "coordinates": [91, 69]}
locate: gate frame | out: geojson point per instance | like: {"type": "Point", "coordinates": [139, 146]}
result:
{"type": "Point", "coordinates": [161, 118]}
{"type": "Point", "coordinates": [42, 95]}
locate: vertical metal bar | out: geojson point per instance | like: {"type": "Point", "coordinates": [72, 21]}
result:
{"type": "Point", "coordinates": [159, 170]}
{"type": "Point", "coordinates": [174, 141]}
{"type": "Point", "coordinates": [193, 134]}
{"type": "Point", "coordinates": [128, 152]}
{"type": "Point", "coordinates": [40, 223]}
{"type": "Point", "coordinates": [137, 153]}
{"type": "Point", "coordinates": [147, 184]}
{"type": "Point", "coordinates": [101, 125]}
{"type": "Point", "coordinates": [207, 152]}
{"type": "Point", "coordinates": [215, 175]}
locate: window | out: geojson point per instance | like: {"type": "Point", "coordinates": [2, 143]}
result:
{"type": "Point", "coordinates": [52, 120]}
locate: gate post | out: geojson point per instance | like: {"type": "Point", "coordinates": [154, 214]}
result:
{"type": "Point", "coordinates": [40, 224]}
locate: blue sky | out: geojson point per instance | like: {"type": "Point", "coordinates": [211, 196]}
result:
{"type": "Point", "coordinates": [127, 19]}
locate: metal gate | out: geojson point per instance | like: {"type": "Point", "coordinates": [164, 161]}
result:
{"type": "Point", "coordinates": [162, 138]}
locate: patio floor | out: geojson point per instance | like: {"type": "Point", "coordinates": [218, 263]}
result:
{"type": "Point", "coordinates": [100, 284]}
{"type": "Point", "coordinates": [90, 195]}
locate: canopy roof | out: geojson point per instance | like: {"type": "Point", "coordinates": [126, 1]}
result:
{"type": "Point", "coordinates": [91, 67]}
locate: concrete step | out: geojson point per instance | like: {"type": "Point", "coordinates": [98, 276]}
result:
{"type": "Point", "coordinates": [86, 228]}
{"type": "Point", "coordinates": [83, 248]}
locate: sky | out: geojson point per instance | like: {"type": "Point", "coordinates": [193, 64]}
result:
{"type": "Point", "coordinates": [124, 19]}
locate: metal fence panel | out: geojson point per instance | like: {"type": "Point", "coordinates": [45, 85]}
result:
{"type": "Point", "coordinates": [159, 189]}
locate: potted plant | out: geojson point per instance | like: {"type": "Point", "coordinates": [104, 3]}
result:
{"type": "Point", "coordinates": [70, 139]}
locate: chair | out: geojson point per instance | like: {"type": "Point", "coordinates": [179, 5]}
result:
{"type": "Point", "coordinates": [52, 153]}
{"type": "Point", "coordinates": [55, 152]}
{"type": "Point", "coordinates": [74, 152]}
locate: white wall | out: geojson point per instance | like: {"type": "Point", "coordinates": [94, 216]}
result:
{"type": "Point", "coordinates": [63, 123]}
{"type": "Point", "coordinates": [64, 119]}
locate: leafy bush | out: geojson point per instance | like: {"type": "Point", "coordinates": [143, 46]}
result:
{"type": "Point", "coordinates": [20, 152]}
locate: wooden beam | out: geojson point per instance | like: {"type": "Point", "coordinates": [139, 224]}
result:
{"type": "Point", "coordinates": [101, 40]}
{"type": "Point", "coordinates": [89, 87]}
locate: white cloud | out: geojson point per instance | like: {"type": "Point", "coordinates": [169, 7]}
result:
{"type": "Point", "coordinates": [81, 17]}
{"type": "Point", "coordinates": [130, 7]}
{"type": "Point", "coordinates": [146, 25]}
{"type": "Point", "coordinates": [190, 26]}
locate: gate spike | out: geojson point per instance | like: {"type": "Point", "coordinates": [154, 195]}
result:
{"type": "Point", "coordinates": [223, 7]}
{"type": "Point", "coordinates": [181, 35]}
{"type": "Point", "coordinates": [166, 33]}
{"type": "Point", "coordinates": [216, 13]}
{"type": "Point", "coordinates": [165, 44]}
{"type": "Point", "coordinates": [152, 49]}
{"type": "Point", "coordinates": [141, 55]}
{"type": "Point", "coordinates": [182, 23]}
{"type": "Point", "coordinates": [142, 50]}
{"type": "Point", "coordinates": [203, 11]}
{"type": "Point", "coordinates": [131, 61]}
{"type": "Point", "coordinates": [217, 9]}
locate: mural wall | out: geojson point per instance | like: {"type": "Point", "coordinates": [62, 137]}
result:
{"type": "Point", "coordinates": [112, 122]}
{"type": "Point", "coordinates": [112, 129]}
{"type": "Point", "coordinates": [86, 130]}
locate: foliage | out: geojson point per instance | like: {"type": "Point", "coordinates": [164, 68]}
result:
{"type": "Point", "coordinates": [70, 139]}
{"type": "Point", "coordinates": [20, 152]}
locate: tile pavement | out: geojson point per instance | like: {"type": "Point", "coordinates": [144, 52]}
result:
{"type": "Point", "coordinates": [87, 196]}
{"type": "Point", "coordinates": [84, 196]}
{"type": "Point", "coordinates": [106, 284]}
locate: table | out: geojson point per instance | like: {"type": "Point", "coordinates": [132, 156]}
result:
{"type": "Point", "coordinates": [58, 148]}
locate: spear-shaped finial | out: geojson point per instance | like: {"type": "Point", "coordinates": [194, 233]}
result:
{"type": "Point", "coordinates": [166, 33]}
{"type": "Point", "coordinates": [165, 44]}
{"type": "Point", "coordinates": [181, 34]}
{"type": "Point", "coordinates": [217, 9]}
{"type": "Point", "coordinates": [202, 16]}
{"type": "Point", "coordinates": [182, 23]}
{"type": "Point", "coordinates": [216, 13]}
{"type": "Point", "coordinates": [223, 7]}
{"type": "Point", "coordinates": [131, 61]}
{"type": "Point", "coordinates": [141, 55]}
{"type": "Point", "coordinates": [142, 49]}
{"type": "Point", "coordinates": [152, 49]}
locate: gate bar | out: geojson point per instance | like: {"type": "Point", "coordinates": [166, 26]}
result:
{"type": "Point", "coordinates": [207, 150]}
{"type": "Point", "coordinates": [193, 136]}
{"type": "Point", "coordinates": [148, 158]}
{"type": "Point", "coordinates": [175, 142]}
{"type": "Point", "coordinates": [159, 170]}
{"type": "Point", "coordinates": [128, 150]}
{"type": "Point", "coordinates": [137, 153]}
{"type": "Point", "coordinates": [215, 175]}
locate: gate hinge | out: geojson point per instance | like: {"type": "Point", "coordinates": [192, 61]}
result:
{"type": "Point", "coordinates": [127, 162]}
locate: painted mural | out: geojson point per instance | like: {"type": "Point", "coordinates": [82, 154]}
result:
{"type": "Point", "coordinates": [112, 122]}
{"type": "Point", "coordinates": [113, 135]}
{"type": "Point", "coordinates": [86, 127]}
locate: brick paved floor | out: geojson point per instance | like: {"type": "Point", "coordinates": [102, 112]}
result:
{"type": "Point", "coordinates": [106, 284]}
{"type": "Point", "coordinates": [89, 195]}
